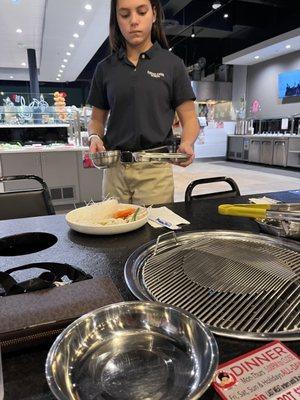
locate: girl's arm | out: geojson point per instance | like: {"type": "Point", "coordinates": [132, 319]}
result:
{"type": "Point", "coordinates": [96, 127]}
{"type": "Point", "coordinates": [190, 130]}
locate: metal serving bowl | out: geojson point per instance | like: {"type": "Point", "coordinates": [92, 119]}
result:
{"type": "Point", "coordinates": [133, 351]}
{"type": "Point", "coordinates": [105, 159]}
{"type": "Point", "coordinates": [289, 229]}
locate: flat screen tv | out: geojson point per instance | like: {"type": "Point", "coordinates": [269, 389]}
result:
{"type": "Point", "coordinates": [289, 84]}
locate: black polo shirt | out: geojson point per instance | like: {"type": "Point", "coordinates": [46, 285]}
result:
{"type": "Point", "coordinates": [142, 99]}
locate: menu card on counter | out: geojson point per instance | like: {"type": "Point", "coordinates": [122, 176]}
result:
{"type": "Point", "coordinates": [271, 372]}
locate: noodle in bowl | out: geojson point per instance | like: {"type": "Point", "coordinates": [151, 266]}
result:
{"type": "Point", "coordinates": [107, 218]}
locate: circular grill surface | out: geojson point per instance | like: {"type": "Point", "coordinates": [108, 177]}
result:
{"type": "Point", "coordinates": [241, 285]}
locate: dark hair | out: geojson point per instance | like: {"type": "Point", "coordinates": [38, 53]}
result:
{"type": "Point", "coordinates": [116, 38]}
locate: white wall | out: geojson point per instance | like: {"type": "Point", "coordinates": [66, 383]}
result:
{"type": "Point", "coordinates": [262, 85]}
{"type": "Point", "coordinates": [213, 141]}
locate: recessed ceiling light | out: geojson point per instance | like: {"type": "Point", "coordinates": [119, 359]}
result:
{"type": "Point", "coordinates": [288, 46]}
{"type": "Point", "coordinates": [11, 77]}
{"type": "Point", "coordinates": [59, 75]}
{"type": "Point", "coordinates": [57, 79]}
{"type": "Point", "coordinates": [256, 57]}
{"type": "Point", "coordinates": [68, 53]}
{"type": "Point", "coordinates": [61, 71]}
{"type": "Point", "coordinates": [24, 64]}
{"type": "Point", "coordinates": [63, 66]}
{"type": "Point", "coordinates": [216, 4]}
{"type": "Point", "coordinates": [88, 7]}
{"type": "Point", "coordinates": [19, 30]}
{"type": "Point", "coordinates": [81, 23]}
{"type": "Point", "coordinates": [76, 36]}
{"type": "Point", "coordinates": [226, 15]}
{"type": "Point", "coordinates": [65, 60]}
{"type": "Point", "coordinates": [72, 45]}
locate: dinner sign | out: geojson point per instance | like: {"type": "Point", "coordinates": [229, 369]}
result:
{"type": "Point", "coordinates": [271, 372]}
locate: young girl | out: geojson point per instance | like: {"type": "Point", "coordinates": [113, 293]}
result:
{"type": "Point", "coordinates": [140, 86]}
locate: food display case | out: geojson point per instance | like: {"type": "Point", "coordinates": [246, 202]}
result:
{"type": "Point", "coordinates": [42, 136]}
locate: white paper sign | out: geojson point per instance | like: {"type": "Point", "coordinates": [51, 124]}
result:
{"type": "Point", "coordinates": [271, 372]}
{"type": "Point", "coordinates": [284, 123]}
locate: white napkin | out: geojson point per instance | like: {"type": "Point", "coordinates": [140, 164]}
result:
{"type": "Point", "coordinates": [263, 200]}
{"type": "Point", "coordinates": [163, 217]}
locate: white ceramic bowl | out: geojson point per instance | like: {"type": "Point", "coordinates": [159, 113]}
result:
{"type": "Point", "coordinates": [89, 229]}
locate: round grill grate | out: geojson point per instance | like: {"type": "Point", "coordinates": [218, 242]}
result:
{"type": "Point", "coordinates": [241, 285]}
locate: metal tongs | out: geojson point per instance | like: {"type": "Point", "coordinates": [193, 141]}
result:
{"type": "Point", "coordinates": [279, 212]}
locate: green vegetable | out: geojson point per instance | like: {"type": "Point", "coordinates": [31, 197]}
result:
{"type": "Point", "coordinates": [135, 214]}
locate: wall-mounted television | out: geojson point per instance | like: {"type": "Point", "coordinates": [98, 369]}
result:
{"type": "Point", "coordinates": [289, 84]}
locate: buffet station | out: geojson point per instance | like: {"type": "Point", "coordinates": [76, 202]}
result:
{"type": "Point", "coordinates": [41, 136]}
{"type": "Point", "coordinates": [165, 295]}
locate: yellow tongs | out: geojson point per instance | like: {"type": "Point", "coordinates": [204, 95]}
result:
{"type": "Point", "coordinates": [262, 211]}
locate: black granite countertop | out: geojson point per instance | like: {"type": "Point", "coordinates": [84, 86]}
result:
{"type": "Point", "coordinates": [106, 255]}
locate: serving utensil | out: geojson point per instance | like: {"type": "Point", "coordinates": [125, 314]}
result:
{"type": "Point", "coordinates": [276, 219]}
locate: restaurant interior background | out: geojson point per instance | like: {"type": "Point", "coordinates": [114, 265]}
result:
{"type": "Point", "coordinates": [237, 276]}
{"type": "Point", "coordinates": [237, 53]}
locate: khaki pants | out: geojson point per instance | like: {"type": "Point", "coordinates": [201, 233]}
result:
{"type": "Point", "coordinates": [140, 183]}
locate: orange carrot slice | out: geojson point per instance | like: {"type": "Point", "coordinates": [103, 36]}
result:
{"type": "Point", "coordinates": [124, 213]}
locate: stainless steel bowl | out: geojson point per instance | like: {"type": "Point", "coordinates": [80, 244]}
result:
{"type": "Point", "coordinates": [289, 229]}
{"type": "Point", "coordinates": [133, 351]}
{"type": "Point", "coordinates": [106, 159]}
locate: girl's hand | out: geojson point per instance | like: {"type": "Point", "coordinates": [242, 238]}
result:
{"type": "Point", "coordinates": [96, 145]}
{"type": "Point", "coordinates": [186, 148]}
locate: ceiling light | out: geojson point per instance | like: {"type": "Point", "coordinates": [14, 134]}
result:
{"type": "Point", "coordinates": [24, 64]}
{"type": "Point", "coordinates": [19, 30]}
{"type": "Point", "coordinates": [171, 49]}
{"type": "Point", "coordinates": [72, 45]}
{"type": "Point", "coordinates": [61, 71]}
{"type": "Point", "coordinates": [11, 77]}
{"type": "Point", "coordinates": [226, 15]}
{"type": "Point", "coordinates": [65, 60]}
{"type": "Point", "coordinates": [81, 23]}
{"type": "Point", "coordinates": [288, 46]}
{"type": "Point", "coordinates": [88, 7]}
{"type": "Point", "coordinates": [216, 4]}
{"type": "Point", "coordinates": [63, 66]}
{"type": "Point", "coordinates": [193, 32]}
{"type": "Point", "coordinates": [57, 79]}
{"type": "Point", "coordinates": [59, 75]}
{"type": "Point", "coordinates": [76, 36]}
{"type": "Point", "coordinates": [68, 53]}
{"type": "Point", "coordinates": [256, 57]}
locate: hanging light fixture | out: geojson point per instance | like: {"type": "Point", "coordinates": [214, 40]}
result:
{"type": "Point", "coordinates": [193, 32]}
{"type": "Point", "coordinates": [216, 4]}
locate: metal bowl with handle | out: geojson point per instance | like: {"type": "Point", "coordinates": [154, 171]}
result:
{"type": "Point", "coordinates": [105, 159]}
{"type": "Point", "coordinates": [133, 351]}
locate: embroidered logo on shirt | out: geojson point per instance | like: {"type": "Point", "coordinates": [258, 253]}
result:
{"type": "Point", "coordinates": [156, 74]}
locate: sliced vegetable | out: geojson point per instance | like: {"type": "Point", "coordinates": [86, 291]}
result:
{"type": "Point", "coordinates": [123, 213]}
{"type": "Point", "coordinates": [135, 214]}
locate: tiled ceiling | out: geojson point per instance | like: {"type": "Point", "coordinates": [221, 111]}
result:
{"type": "Point", "coordinates": [248, 22]}
{"type": "Point", "coordinates": [279, 45]}
{"type": "Point", "coordinates": [48, 27]}
{"type": "Point", "coordinates": [29, 19]}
